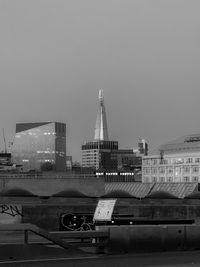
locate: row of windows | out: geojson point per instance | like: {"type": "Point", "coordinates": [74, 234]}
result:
{"type": "Point", "coordinates": [33, 134]}
{"type": "Point", "coordinates": [89, 151]}
{"type": "Point", "coordinates": [171, 170]}
{"type": "Point", "coordinates": [162, 179]}
{"type": "Point", "coordinates": [90, 156]}
{"type": "Point", "coordinates": [85, 161]}
{"type": "Point", "coordinates": [45, 152]}
{"type": "Point", "coordinates": [147, 162]}
{"type": "Point", "coordinates": [39, 160]}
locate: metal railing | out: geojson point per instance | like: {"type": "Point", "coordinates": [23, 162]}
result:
{"type": "Point", "coordinates": [64, 239]}
{"type": "Point", "coordinates": [50, 176]}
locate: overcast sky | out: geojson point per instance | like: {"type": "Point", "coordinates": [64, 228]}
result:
{"type": "Point", "coordinates": [56, 54]}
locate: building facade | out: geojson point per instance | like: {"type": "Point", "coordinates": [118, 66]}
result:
{"type": "Point", "coordinates": [95, 153]}
{"type": "Point", "coordinates": [143, 147]}
{"type": "Point", "coordinates": [177, 161]}
{"type": "Point", "coordinates": [40, 146]}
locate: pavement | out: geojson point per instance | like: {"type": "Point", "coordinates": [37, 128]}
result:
{"type": "Point", "coordinates": [164, 259]}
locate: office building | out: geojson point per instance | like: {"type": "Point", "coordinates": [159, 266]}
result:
{"type": "Point", "coordinates": [122, 160]}
{"type": "Point", "coordinates": [177, 161]}
{"type": "Point", "coordinates": [40, 146]}
{"type": "Point", "coordinates": [143, 147]}
{"type": "Point", "coordinates": [94, 153]}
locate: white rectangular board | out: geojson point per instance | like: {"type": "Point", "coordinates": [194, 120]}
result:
{"type": "Point", "coordinates": [104, 210]}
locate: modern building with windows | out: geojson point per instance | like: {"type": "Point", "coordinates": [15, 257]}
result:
{"type": "Point", "coordinates": [177, 161]}
{"type": "Point", "coordinates": [143, 147]}
{"type": "Point", "coordinates": [40, 146]}
{"type": "Point", "coordinates": [94, 153]}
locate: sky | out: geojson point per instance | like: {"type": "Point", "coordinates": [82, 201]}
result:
{"type": "Point", "coordinates": [145, 54]}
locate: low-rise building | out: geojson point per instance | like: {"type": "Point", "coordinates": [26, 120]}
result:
{"type": "Point", "coordinates": [177, 161]}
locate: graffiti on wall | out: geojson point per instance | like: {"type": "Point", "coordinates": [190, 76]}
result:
{"type": "Point", "coordinates": [10, 213]}
{"type": "Point", "coordinates": [76, 222]}
{"type": "Point", "coordinates": [12, 210]}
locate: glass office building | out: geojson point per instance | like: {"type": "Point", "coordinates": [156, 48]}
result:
{"type": "Point", "coordinates": [40, 146]}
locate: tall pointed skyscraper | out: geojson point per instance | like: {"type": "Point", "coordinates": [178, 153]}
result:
{"type": "Point", "coordinates": [96, 153]}
{"type": "Point", "coordinates": [101, 129]}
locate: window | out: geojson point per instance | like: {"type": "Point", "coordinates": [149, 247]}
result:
{"type": "Point", "coordinates": [178, 161]}
{"type": "Point", "coordinates": [25, 160]}
{"type": "Point", "coordinates": [169, 179]}
{"type": "Point", "coordinates": [161, 170]}
{"type": "Point", "coordinates": [170, 161]}
{"type": "Point", "coordinates": [186, 169]}
{"type": "Point", "coordinates": [195, 169]}
{"type": "Point", "coordinates": [197, 160]}
{"type": "Point", "coordinates": [154, 170]}
{"type": "Point", "coordinates": [189, 160]}
{"type": "Point", "coordinates": [146, 170]}
{"type": "Point", "coordinates": [177, 171]}
{"type": "Point", "coordinates": [146, 162]}
{"type": "Point", "coordinates": [164, 161]}
{"type": "Point", "coordinates": [154, 161]}
{"type": "Point", "coordinates": [186, 178]}
{"type": "Point", "coordinates": [154, 179]}
{"type": "Point", "coordinates": [169, 170]}
{"type": "Point", "coordinates": [161, 179]}
{"type": "Point", "coordinates": [195, 178]}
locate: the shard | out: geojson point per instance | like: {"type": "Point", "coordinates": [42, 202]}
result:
{"type": "Point", "coordinates": [101, 129]}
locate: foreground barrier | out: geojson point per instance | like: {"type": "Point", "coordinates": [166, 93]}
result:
{"type": "Point", "coordinates": [134, 238]}
{"type": "Point", "coordinates": [119, 239]}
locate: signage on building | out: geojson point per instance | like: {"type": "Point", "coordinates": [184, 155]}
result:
{"type": "Point", "coordinates": [104, 210]}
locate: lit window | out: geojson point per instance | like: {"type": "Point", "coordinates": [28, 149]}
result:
{"type": "Point", "coordinates": [177, 171]}
{"type": "Point", "coordinates": [178, 161]}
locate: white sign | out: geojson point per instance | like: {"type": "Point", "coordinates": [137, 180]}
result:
{"type": "Point", "coordinates": [104, 210]}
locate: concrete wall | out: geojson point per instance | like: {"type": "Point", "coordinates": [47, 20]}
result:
{"type": "Point", "coordinates": [47, 213]}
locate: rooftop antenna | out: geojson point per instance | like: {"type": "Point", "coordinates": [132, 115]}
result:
{"type": "Point", "coordinates": [4, 141]}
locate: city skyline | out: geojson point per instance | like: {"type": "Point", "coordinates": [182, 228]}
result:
{"type": "Point", "coordinates": [56, 55]}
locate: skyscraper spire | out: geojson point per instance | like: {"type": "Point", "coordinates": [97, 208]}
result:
{"type": "Point", "coordinates": [101, 129]}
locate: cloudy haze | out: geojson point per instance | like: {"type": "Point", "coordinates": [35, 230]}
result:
{"type": "Point", "coordinates": [56, 54]}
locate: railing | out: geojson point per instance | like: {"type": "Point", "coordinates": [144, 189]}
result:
{"type": "Point", "coordinates": [90, 238]}
{"type": "Point", "coordinates": [50, 176]}
{"type": "Point", "coordinates": [75, 239]}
